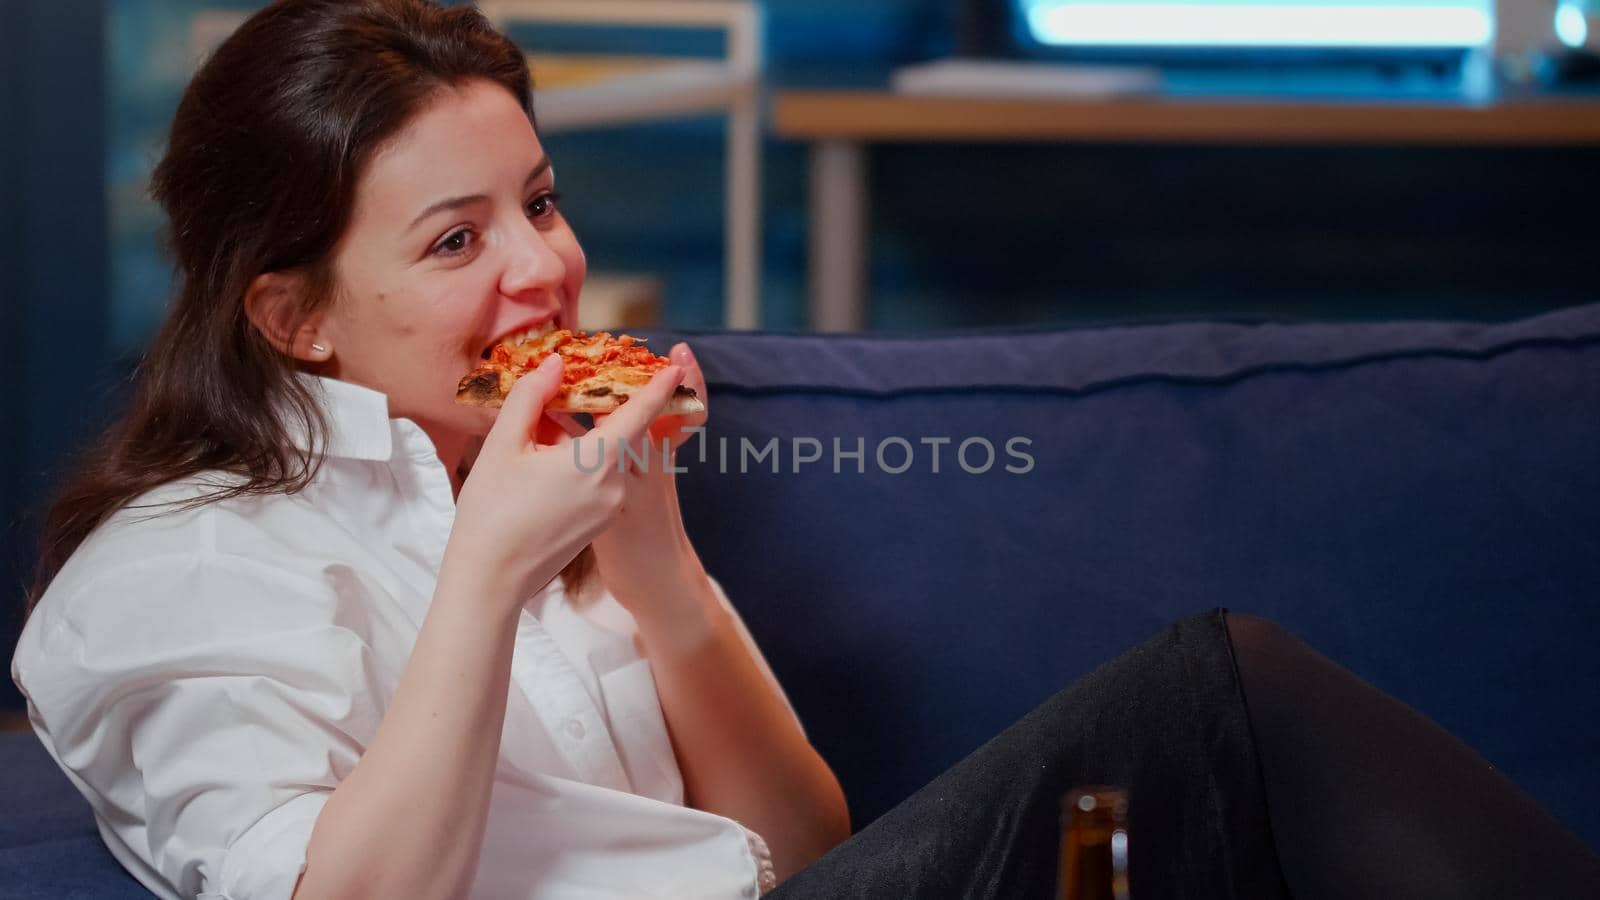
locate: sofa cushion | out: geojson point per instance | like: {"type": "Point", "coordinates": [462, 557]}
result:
{"type": "Point", "coordinates": [1420, 501]}
{"type": "Point", "coordinates": [49, 846]}
{"type": "Point", "coordinates": [78, 868]}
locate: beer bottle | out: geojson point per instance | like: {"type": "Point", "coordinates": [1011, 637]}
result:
{"type": "Point", "coordinates": [1094, 844]}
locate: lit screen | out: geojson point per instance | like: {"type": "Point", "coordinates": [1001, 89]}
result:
{"type": "Point", "coordinates": [1261, 23]}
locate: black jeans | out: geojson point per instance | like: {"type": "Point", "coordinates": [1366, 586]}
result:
{"type": "Point", "coordinates": [1256, 768]}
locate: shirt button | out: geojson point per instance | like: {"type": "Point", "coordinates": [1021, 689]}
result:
{"type": "Point", "coordinates": [576, 729]}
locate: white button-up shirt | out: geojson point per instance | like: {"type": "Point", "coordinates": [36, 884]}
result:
{"type": "Point", "coordinates": [207, 677]}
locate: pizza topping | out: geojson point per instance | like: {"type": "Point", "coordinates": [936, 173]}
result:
{"type": "Point", "coordinates": [599, 371]}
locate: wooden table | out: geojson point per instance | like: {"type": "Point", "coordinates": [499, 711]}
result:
{"type": "Point", "coordinates": [840, 124]}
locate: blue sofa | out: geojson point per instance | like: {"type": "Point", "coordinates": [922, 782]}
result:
{"type": "Point", "coordinates": [1419, 500]}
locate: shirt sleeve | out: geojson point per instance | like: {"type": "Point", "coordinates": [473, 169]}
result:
{"type": "Point", "coordinates": [208, 706]}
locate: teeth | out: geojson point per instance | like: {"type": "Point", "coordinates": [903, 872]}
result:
{"type": "Point", "coordinates": [516, 337]}
{"type": "Point", "coordinates": [528, 333]}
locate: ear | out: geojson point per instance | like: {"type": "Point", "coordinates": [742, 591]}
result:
{"type": "Point", "coordinates": [275, 303]}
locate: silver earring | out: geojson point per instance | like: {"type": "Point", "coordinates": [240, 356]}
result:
{"type": "Point", "coordinates": [319, 348]}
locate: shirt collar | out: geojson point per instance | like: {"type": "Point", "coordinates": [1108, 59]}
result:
{"type": "Point", "coordinates": [357, 419]}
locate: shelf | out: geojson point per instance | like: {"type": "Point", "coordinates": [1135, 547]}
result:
{"type": "Point", "coordinates": [576, 92]}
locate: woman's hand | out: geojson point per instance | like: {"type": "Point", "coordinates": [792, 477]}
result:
{"type": "Point", "coordinates": [742, 752]}
{"type": "Point", "coordinates": [528, 507]}
{"type": "Point", "coordinates": [644, 558]}
{"type": "Point", "coordinates": [424, 781]}
{"type": "Point", "coordinates": [676, 429]}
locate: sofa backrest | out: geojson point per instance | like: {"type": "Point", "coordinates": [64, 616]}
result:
{"type": "Point", "coordinates": [1420, 501]}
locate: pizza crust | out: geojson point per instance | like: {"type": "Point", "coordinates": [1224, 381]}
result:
{"type": "Point", "coordinates": [484, 390]}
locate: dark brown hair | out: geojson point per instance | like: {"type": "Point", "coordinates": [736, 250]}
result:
{"type": "Point", "coordinates": [260, 173]}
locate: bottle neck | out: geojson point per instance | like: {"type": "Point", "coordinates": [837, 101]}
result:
{"type": "Point", "coordinates": [1094, 844]}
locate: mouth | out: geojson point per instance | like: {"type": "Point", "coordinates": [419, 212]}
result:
{"type": "Point", "coordinates": [522, 332]}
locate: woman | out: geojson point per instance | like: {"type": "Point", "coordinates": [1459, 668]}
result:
{"type": "Point", "coordinates": [312, 629]}
{"type": "Point", "coordinates": [359, 206]}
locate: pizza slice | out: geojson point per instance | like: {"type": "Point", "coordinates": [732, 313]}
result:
{"type": "Point", "coordinates": [599, 372]}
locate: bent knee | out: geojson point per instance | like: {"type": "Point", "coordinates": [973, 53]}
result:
{"type": "Point", "coordinates": [1253, 636]}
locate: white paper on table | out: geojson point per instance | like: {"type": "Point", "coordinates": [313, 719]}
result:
{"type": "Point", "coordinates": [999, 78]}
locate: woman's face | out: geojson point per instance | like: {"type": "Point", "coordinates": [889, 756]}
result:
{"type": "Point", "coordinates": [454, 242]}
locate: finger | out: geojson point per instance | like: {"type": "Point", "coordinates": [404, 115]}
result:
{"type": "Point", "coordinates": [513, 429]}
{"type": "Point", "coordinates": [681, 355]}
{"type": "Point", "coordinates": [567, 423]}
{"type": "Point", "coordinates": [695, 378]}
{"type": "Point", "coordinates": [547, 433]}
{"type": "Point", "coordinates": [629, 423]}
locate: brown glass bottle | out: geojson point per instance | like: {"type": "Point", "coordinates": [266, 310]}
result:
{"type": "Point", "coordinates": [1094, 844]}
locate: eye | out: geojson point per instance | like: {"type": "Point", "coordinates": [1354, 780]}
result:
{"type": "Point", "coordinates": [455, 243]}
{"type": "Point", "coordinates": [543, 206]}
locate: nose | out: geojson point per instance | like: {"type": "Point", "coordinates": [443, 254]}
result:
{"type": "Point", "coordinates": [533, 270]}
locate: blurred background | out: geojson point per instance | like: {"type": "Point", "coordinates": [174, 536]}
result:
{"type": "Point", "coordinates": [885, 165]}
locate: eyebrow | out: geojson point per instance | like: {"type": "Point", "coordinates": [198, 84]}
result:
{"type": "Point", "coordinates": [458, 202]}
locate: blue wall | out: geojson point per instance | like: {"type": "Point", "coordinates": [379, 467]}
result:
{"type": "Point", "coordinates": [53, 269]}
{"type": "Point", "coordinates": [11, 257]}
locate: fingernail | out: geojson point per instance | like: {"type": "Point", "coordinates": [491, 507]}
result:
{"type": "Point", "coordinates": [550, 362]}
